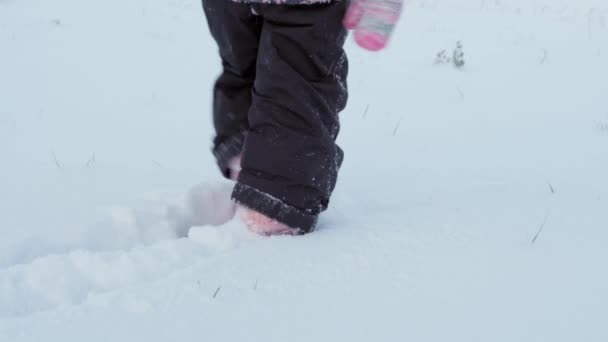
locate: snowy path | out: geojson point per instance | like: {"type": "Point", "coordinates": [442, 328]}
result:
{"type": "Point", "coordinates": [472, 205]}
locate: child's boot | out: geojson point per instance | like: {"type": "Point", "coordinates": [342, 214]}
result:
{"type": "Point", "coordinates": [262, 224]}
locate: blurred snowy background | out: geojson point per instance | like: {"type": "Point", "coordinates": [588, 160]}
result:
{"type": "Point", "coordinates": [472, 205]}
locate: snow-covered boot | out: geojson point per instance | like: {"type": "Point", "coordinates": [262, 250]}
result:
{"type": "Point", "coordinates": [262, 224]}
{"type": "Point", "coordinates": [255, 221]}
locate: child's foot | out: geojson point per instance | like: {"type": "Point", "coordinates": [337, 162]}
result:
{"type": "Point", "coordinates": [262, 224]}
{"type": "Point", "coordinates": [255, 221]}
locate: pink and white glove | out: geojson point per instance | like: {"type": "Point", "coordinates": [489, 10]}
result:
{"type": "Point", "coordinates": [373, 21]}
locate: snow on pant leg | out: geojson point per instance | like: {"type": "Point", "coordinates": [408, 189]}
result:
{"type": "Point", "coordinates": [237, 31]}
{"type": "Point", "coordinates": [290, 158]}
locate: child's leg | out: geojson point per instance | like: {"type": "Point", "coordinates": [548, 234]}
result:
{"type": "Point", "coordinates": [290, 158]}
{"type": "Point", "coordinates": [237, 33]}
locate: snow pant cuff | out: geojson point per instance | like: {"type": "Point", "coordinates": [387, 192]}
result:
{"type": "Point", "coordinates": [274, 208]}
{"type": "Point", "coordinates": [227, 150]}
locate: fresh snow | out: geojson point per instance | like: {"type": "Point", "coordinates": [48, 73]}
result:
{"type": "Point", "coordinates": [472, 204]}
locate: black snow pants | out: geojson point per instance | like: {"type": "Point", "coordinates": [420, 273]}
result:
{"type": "Point", "coordinates": [276, 104]}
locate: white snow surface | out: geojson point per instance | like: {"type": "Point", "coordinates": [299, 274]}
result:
{"type": "Point", "coordinates": [472, 204]}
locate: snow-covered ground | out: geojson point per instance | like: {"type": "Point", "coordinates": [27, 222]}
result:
{"type": "Point", "coordinates": [472, 205]}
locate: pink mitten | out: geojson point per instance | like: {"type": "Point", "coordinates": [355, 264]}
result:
{"type": "Point", "coordinates": [373, 21]}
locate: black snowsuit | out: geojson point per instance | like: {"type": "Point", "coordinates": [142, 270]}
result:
{"type": "Point", "coordinates": [277, 101]}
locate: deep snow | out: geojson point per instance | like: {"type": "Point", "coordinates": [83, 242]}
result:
{"type": "Point", "coordinates": [472, 205]}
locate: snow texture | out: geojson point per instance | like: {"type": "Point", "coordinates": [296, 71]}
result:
{"type": "Point", "coordinates": [472, 203]}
